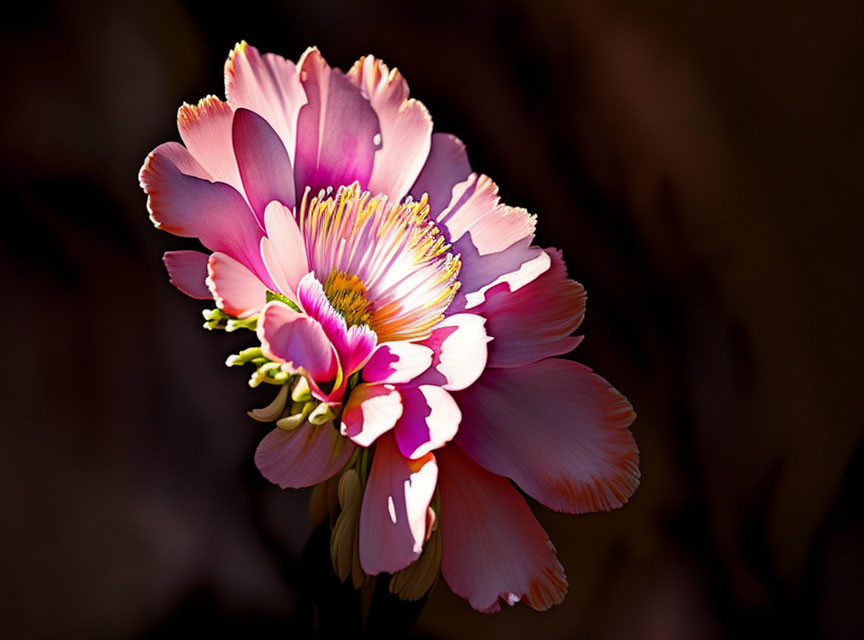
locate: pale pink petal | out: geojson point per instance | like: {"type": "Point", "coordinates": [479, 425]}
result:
{"type": "Point", "coordinates": [492, 546]}
{"type": "Point", "coordinates": [493, 241]}
{"type": "Point", "coordinates": [296, 339]}
{"type": "Point", "coordinates": [517, 265]}
{"type": "Point", "coordinates": [406, 128]}
{"type": "Point", "coordinates": [471, 200]}
{"type": "Point", "coordinates": [446, 166]}
{"type": "Point", "coordinates": [395, 502]}
{"type": "Point", "coordinates": [270, 86]}
{"type": "Point", "coordinates": [371, 410]}
{"type": "Point", "coordinates": [556, 429]}
{"type": "Point", "coordinates": [285, 254]}
{"type": "Point", "coordinates": [430, 418]}
{"type": "Point", "coordinates": [501, 228]}
{"type": "Point", "coordinates": [205, 129]}
{"type": "Point", "coordinates": [396, 362]}
{"type": "Point", "coordinates": [536, 321]}
{"type": "Point", "coordinates": [273, 264]}
{"type": "Point", "coordinates": [355, 344]}
{"type": "Point", "coordinates": [187, 271]}
{"type": "Point", "coordinates": [459, 346]}
{"type": "Point", "coordinates": [335, 129]}
{"type": "Point", "coordinates": [237, 291]}
{"type": "Point", "coordinates": [265, 168]}
{"type": "Point", "coordinates": [195, 208]}
{"type": "Point", "coordinates": [304, 456]}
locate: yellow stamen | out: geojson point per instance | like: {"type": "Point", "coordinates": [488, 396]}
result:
{"type": "Point", "coordinates": [347, 294]}
{"type": "Point", "coordinates": [390, 267]}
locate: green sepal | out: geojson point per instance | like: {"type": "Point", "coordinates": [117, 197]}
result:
{"type": "Point", "coordinates": [273, 295]}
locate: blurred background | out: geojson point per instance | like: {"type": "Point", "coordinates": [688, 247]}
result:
{"type": "Point", "coordinates": [699, 164]}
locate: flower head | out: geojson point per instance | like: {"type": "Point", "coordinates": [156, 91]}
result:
{"type": "Point", "coordinates": [407, 318]}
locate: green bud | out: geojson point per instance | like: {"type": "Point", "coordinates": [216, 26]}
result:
{"type": "Point", "coordinates": [273, 410]}
{"type": "Point", "coordinates": [418, 578]}
{"type": "Point", "coordinates": [299, 414]}
{"type": "Point", "coordinates": [301, 392]}
{"type": "Point", "coordinates": [321, 414]}
{"type": "Point", "coordinates": [247, 355]}
{"type": "Point", "coordinates": [270, 373]}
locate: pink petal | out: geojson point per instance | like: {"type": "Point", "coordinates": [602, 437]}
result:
{"type": "Point", "coordinates": [335, 129]}
{"type": "Point", "coordinates": [370, 411]}
{"type": "Point", "coordinates": [395, 362]}
{"type": "Point", "coordinates": [500, 228]}
{"type": "Point", "coordinates": [180, 157]}
{"type": "Point", "coordinates": [471, 201]}
{"type": "Point", "coordinates": [406, 128]}
{"type": "Point", "coordinates": [285, 252]}
{"type": "Point", "coordinates": [459, 346]}
{"type": "Point", "coordinates": [296, 339]}
{"type": "Point", "coordinates": [194, 208]}
{"type": "Point", "coordinates": [446, 166]}
{"type": "Point", "coordinates": [492, 546]}
{"type": "Point", "coordinates": [360, 342]}
{"type": "Point", "coordinates": [187, 271]}
{"type": "Point", "coordinates": [493, 240]}
{"type": "Point", "coordinates": [516, 266]}
{"type": "Point", "coordinates": [263, 162]}
{"type": "Point", "coordinates": [303, 457]}
{"type": "Point", "coordinates": [237, 291]}
{"type": "Point", "coordinates": [205, 129]}
{"type": "Point", "coordinates": [534, 322]}
{"type": "Point", "coordinates": [393, 515]}
{"type": "Point", "coordinates": [556, 429]}
{"type": "Point", "coordinates": [430, 418]}
{"type": "Point", "coordinates": [270, 86]}
{"type": "Point", "coordinates": [355, 344]}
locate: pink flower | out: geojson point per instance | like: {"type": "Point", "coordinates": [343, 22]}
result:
{"type": "Point", "coordinates": [400, 305]}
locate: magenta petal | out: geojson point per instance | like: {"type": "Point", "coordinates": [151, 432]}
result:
{"type": "Point", "coordinates": [237, 291]}
{"type": "Point", "coordinates": [360, 342]}
{"type": "Point", "coordinates": [371, 410]}
{"type": "Point", "coordinates": [492, 546]}
{"type": "Point", "coordinates": [459, 344]}
{"type": "Point", "coordinates": [263, 162]}
{"type": "Point", "coordinates": [395, 362]}
{"type": "Point", "coordinates": [355, 344]}
{"type": "Point", "coordinates": [536, 321]}
{"type": "Point", "coordinates": [270, 86]}
{"type": "Point", "coordinates": [285, 252]}
{"type": "Point", "coordinates": [335, 129]}
{"type": "Point", "coordinates": [194, 208]}
{"type": "Point", "coordinates": [430, 418]}
{"type": "Point", "coordinates": [303, 457]}
{"type": "Point", "coordinates": [393, 515]}
{"type": "Point", "coordinates": [446, 166]}
{"type": "Point", "coordinates": [406, 128]}
{"type": "Point", "coordinates": [205, 129]}
{"type": "Point", "coordinates": [296, 339]}
{"type": "Point", "coordinates": [187, 271]}
{"type": "Point", "coordinates": [556, 429]}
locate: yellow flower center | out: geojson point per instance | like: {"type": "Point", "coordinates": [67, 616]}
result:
{"type": "Point", "coordinates": [347, 294]}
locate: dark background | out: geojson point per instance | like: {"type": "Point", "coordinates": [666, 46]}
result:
{"type": "Point", "coordinates": [700, 164]}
